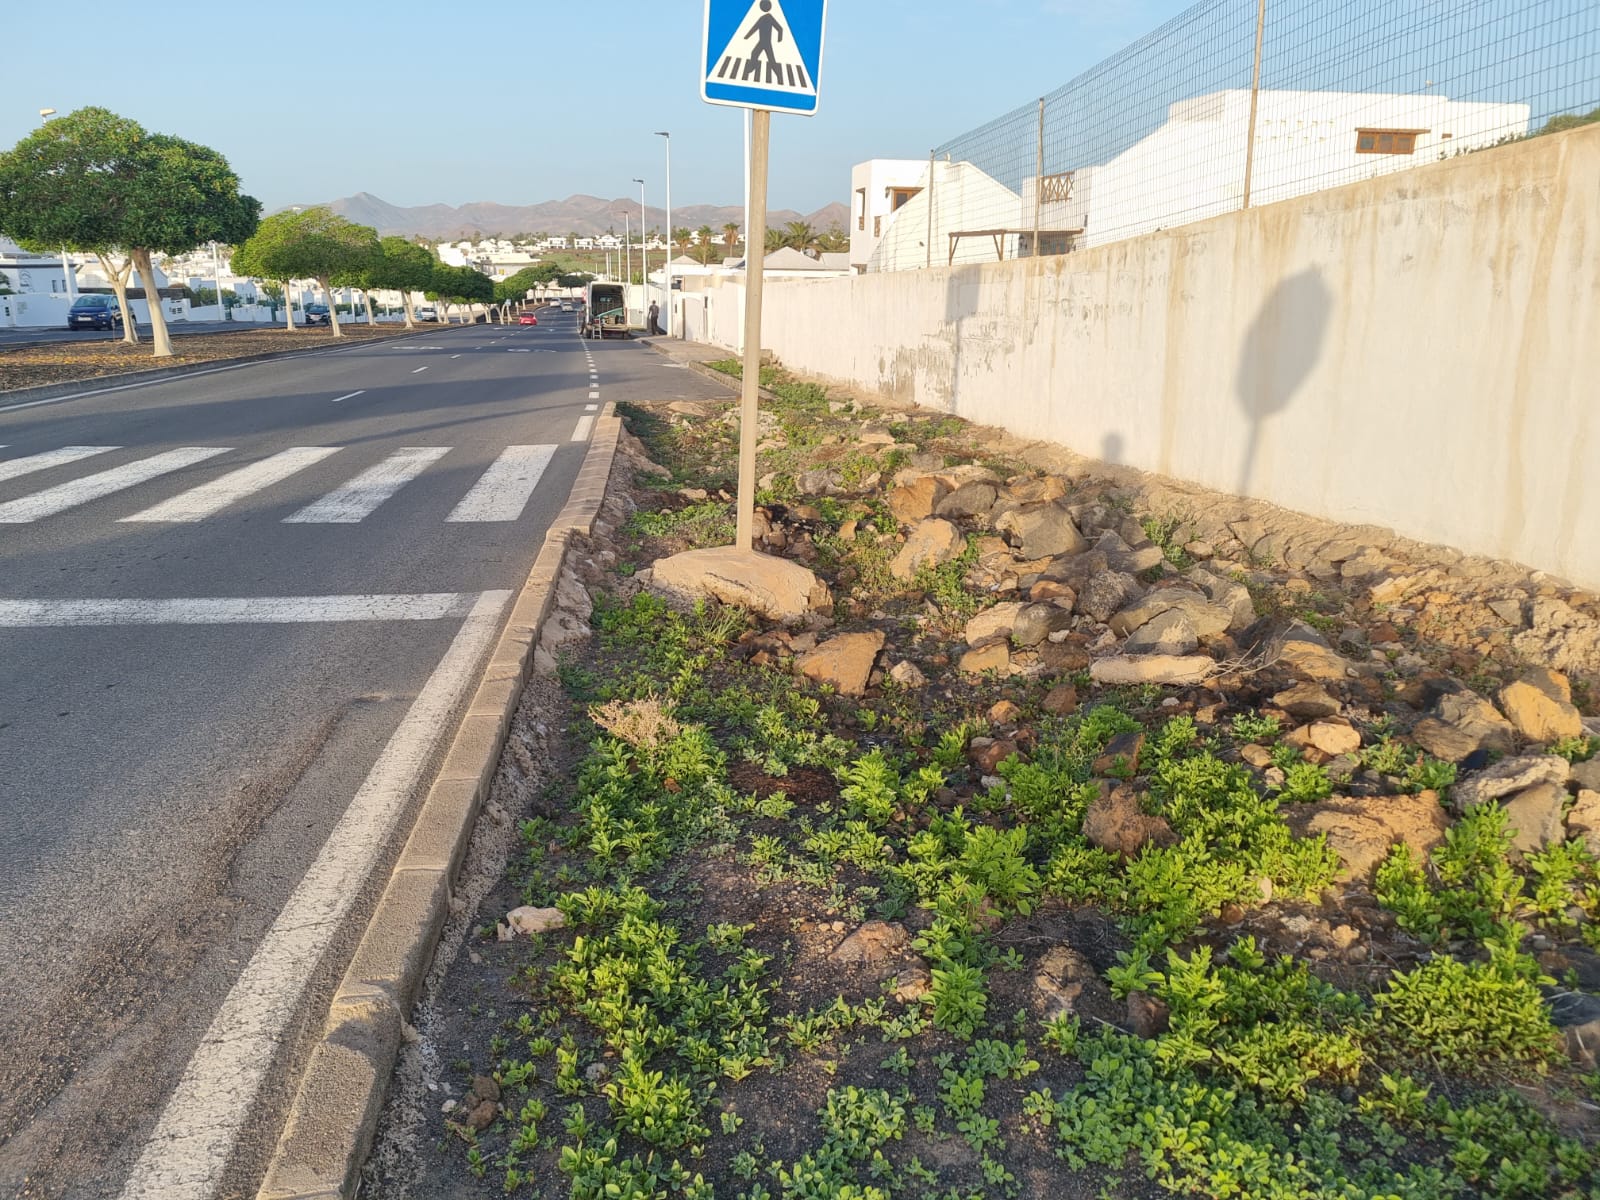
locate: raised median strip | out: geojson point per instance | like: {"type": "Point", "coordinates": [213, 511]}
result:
{"type": "Point", "coordinates": [330, 1124]}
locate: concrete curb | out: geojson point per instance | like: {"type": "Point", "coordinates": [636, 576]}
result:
{"type": "Point", "coordinates": [335, 1112]}
{"type": "Point", "coordinates": [129, 379]}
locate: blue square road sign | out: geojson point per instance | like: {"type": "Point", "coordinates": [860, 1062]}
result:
{"type": "Point", "coordinates": [763, 54]}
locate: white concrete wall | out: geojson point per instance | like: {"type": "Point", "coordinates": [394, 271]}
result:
{"type": "Point", "coordinates": [1420, 350]}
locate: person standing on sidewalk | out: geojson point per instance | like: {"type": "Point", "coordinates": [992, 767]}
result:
{"type": "Point", "coordinates": [654, 318]}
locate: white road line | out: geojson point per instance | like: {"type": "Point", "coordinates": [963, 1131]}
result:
{"type": "Point", "coordinates": [50, 458]}
{"type": "Point", "coordinates": [92, 487]}
{"type": "Point", "coordinates": [590, 407]}
{"type": "Point", "coordinates": [503, 491]}
{"type": "Point", "coordinates": [350, 395]}
{"type": "Point", "coordinates": [187, 1154]}
{"type": "Point", "coordinates": [594, 395]}
{"type": "Point", "coordinates": [209, 498]}
{"type": "Point", "coordinates": [455, 356]}
{"type": "Point", "coordinates": [228, 610]}
{"type": "Point", "coordinates": [584, 429]}
{"type": "Point", "coordinates": [357, 499]}
{"type": "Point", "coordinates": [419, 370]}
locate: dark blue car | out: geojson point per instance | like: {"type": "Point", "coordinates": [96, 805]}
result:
{"type": "Point", "coordinates": [95, 312]}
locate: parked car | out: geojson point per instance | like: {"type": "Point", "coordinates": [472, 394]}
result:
{"type": "Point", "coordinates": [427, 314]}
{"type": "Point", "coordinates": [527, 319]}
{"type": "Point", "coordinates": [94, 312]}
{"type": "Point", "coordinates": [317, 314]}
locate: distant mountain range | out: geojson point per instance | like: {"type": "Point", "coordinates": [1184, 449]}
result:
{"type": "Point", "coordinates": [587, 216]}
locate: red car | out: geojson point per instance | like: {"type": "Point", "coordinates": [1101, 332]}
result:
{"type": "Point", "coordinates": [527, 319]}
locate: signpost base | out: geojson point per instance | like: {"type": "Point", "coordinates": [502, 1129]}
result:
{"type": "Point", "coordinates": [755, 241]}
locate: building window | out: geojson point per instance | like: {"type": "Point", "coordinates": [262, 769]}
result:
{"type": "Point", "coordinates": [1387, 141]}
{"type": "Point", "coordinates": [898, 196]}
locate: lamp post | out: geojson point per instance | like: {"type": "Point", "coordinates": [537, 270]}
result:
{"type": "Point", "coordinates": [666, 270]}
{"type": "Point", "coordinates": [66, 271]}
{"type": "Point", "coordinates": [644, 254]}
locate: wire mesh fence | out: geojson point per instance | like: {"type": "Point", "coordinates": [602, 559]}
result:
{"type": "Point", "coordinates": [1237, 103]}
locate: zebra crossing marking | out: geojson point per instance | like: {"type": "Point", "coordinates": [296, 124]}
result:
{"type": "Point", "coordinates": [357, 499]}
{"type": "Point", "coordinates": [211, 498]}
{"type": "Point", "coordinates": [584, 429]}
{"type": "Point", "coordinates": [92, 487]}
{"type": "Point", "coordinates": [17, 467]}
{"type": "Point", "coordinates": [503, 491]}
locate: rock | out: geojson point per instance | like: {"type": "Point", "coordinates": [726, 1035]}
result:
{"type": "Point", "coordinates": [907, 675]}
{"type": "Point", "coordinates": [529, 921]}
{"type": "Point", "coordinates": [932, 543]}
{"type": "Point", "coordinates": [1306, 702]}
{"type": "Point", "coordinates": [1206, 618]}
{"type": "Point", "coordinates": [1258, 757]}
{"type": "Point", "coordinates": [1534, 817]}
{"type": "Point", "coordinates": [1061, 700]}
{"type": "Point", "coordinates": [996, 656]}
{"type": "Point", "coordinates": [481, 1115]}
{"type": "Point", "coordinates": [1148, 1017]}
{"type": "Point", "coordinates": [1036, 622]}
{"type": "Point", "coordinates": [1587, 774]}
{"type": "Point", "coordinates": [1360, 830]}
{"type": "Point", "coordinates": [1170, 632]}
{"type": "Point", "coordinates": [844, 661]}
{"type": "Point", "coordinates": [969, 500]}
{"type": "Point", "coordinates": [1539, 704]}
{"type": "Point", "coordinates": [1060, 978]}
{"type": "Point", "coordinates": [1069, 654]}
{"type": "Point", "coordinates": [916, 499]}
{"type": "Point", "coordinates": [1125, 669]}
{"type": "Point", "coordinates": [988, 753]}
{"type": "Point", "coordinates": [1042, 530]}
{"type": "Point", "coordinates": [1105, 593]}
{"type": "Point", "coordinates": [1576, 1016]}
{"type": "Point", "coordinates": [1227, 593]}
{"type": "Point", "coordinates": [991, 623]}
{"type": "Point", "coordinates": [1507, 777]}
{"type": "Point", "coordinates": [1306, 652]}
{"type": "Point", "coordinates": [1461, 723]}
{"type": "Point", "coordinates": [873, 944]}
{"type": "Point", "coordinates": [1584, 819]}
{"type": "Point", "coordinates": [1509, 611]}
{"type": "Point", "coordinates": [1333, 737]}
{"type": "Point", "coordinates": [1114, 822]}
{"type": "Point", "coordinates": [874, 434]}
{"type": "Point", "coordinates": [911, 985]}
{"type": "Point", "coordinates": [1560, 636]}
{"type": "Point", "coordinates": [1121, 755]}
{"type": "Point", "coordinates": [485, 1088]}
{"type": "Point", "coordinates": [776, 588]}
{"type": "Point", "coordinates": [1004, 712]}
{"type": "Point", "coordinates": [1199, 551]}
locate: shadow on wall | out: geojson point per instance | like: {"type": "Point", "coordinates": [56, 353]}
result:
{"type": "Point", "coordinates": [1111, 448]}
{"type": "Point", "coordinates": [960, 302]}
{"type": "Point", "coordinates": [1279, 351]}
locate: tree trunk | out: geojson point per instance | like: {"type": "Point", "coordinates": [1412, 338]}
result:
{"type": "Point", "coordinates": [333, 309]}
{"type": "Point", "coordinates": [152, 299]}
{"type": "Point", "coordinates": [366, 298]}
{"type": "Point", "coordinates": [119, 284]}
{"type": "Point", "coordinates": [288, 308]}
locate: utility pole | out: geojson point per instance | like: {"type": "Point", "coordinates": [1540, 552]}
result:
{"type": "Point", "coordinates": [644, 252]}
{"type": "Point", "coordinates": [666, 271]}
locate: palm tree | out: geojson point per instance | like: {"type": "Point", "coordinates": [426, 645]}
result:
{"type": "Point", "coordinates": [730, 236]}
{"type": "Point", "coordinates": [705, 234]}
{"type": "Point", "coordinates": [833, 240]}
{"type": "Point", "coordinates": [799, 235]}
{"type": "Point", "coordinates": [775, 240]}
{"type": "Point", "coordinates": [681, 237]}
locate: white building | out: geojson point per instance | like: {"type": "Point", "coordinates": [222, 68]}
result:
{"type": "Point", "coordinates": [879, 188]}
{"type": "Point", "coordinates": [1193, 165]}
{"type": "Point", "coordinates": [973, 219]}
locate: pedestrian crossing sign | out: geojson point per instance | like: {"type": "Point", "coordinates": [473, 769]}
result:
{"type": "Point", "coordinates": [763, 54]}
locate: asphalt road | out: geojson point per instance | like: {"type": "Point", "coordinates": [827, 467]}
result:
{"type": "Point", "coordinates": [220, 597]}
{"type": "Point", "coordinates": [25, 335]}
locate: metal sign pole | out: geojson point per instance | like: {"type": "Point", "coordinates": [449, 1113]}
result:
{"type": "Point", "coordinates": [755, 248]}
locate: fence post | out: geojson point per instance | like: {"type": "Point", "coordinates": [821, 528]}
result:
{"type": "Point", "coordinates": [928, 243]}
{"type": "Point", "coordinates": [1255, 95]}
{"type": "Point", "coordinates": [1038, 179]}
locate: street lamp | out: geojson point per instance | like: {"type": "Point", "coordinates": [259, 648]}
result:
{"type": "Point", "coordinates": [66, 272]}
{"type": "Point", "coordinates": [644, 251]}
{"type": "Point", "coordinates": [666, 271]}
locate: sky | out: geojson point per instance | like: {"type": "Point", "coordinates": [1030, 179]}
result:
{"type": "Point", "coordinates": [424, 103]}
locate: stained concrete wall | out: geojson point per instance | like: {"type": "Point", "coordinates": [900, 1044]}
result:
{"type": "Point", "coordinates": [1420, 351]}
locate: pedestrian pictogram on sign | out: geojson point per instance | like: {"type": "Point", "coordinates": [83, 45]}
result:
{"type": "Point", "coordinates": [763, 53]}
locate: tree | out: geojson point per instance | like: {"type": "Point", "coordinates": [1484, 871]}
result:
{"type": "Point", "coordinates": [706, 234]}
{"type": "Point", "coordinates": [799, 235]}
{"type": "Point", "coordinates": [730, 236]}
{"type": "Point", "coordinates": [94, 181]}
{"type": "Point", "coordinates": [682, 237]}
{"type": "Point", "coordinates": [833, 240]}
{"type": "Point", "coordinates": [405, 267]}
{"type": "Point", "coordinates": [315, 243]}
{"type": "Point", "coordinates": [460, 285]}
